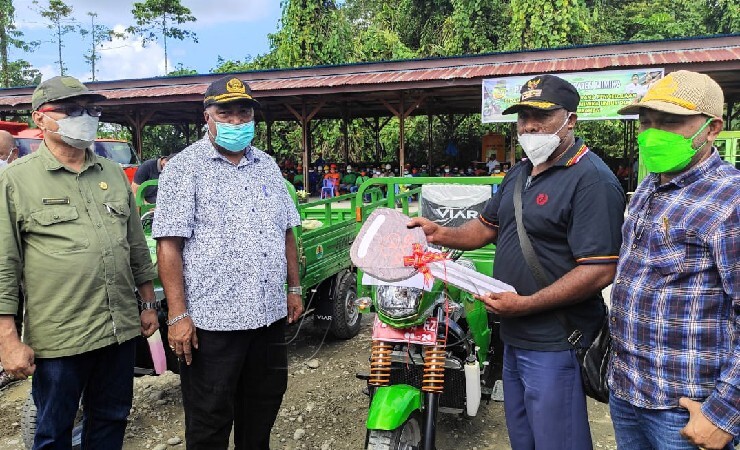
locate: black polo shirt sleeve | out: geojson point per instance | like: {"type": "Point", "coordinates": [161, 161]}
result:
{"type": "Point", "coordinates": [489, 215]}
{"type": "Point", "coordinates": [145, 171]}
{"type": "Point", "coordinates": [594, 233]}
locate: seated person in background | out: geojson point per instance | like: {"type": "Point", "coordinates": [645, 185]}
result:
{"type": "Point", "coordinates": [314, 177]}
{"type": "Point", "coordinates": [492, 164]}
{"type": "Point", "coordinates": [334, 176]}
{"type": "Point", "coordinates": [298, 179]}
{"type": "Point", "coordinates": [348, 180]}
{"type": "Point", "coordinates": [149, 170]}
{"type": "Point", "coordinates": [359, 180]}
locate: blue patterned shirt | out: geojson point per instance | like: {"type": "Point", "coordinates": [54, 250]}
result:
{"type": "Point", "coordinates": [234, 219]}
{"type": "Point", "coordinates": [675, 301]}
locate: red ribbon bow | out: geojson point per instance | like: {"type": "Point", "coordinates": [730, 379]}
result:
{"type": "Point", "coordinates": [420, 259]}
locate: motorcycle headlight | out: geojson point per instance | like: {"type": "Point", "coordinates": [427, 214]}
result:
{"type": "Point", "coordinates": [398, 301]}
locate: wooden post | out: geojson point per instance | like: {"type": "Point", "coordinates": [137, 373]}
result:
{"type": "Point", "coordinates": [345, 132]}
{"type": "Point", "coordinates": [430, 120]}
{"type": "Point", "coordinates": [402, 113]}
{"type": "Point", "coordinates": [401, 137]}
{"type": "Point", "coordinates": [304, 119]}
{"type": "Point", "coordinates": [137, 121]}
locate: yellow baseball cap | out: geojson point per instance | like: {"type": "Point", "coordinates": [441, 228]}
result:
{"type": "Point", "coordinates": [682, 93]}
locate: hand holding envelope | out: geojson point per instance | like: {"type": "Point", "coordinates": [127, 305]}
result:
{"type": "Point", "coordinates": [391, 253]}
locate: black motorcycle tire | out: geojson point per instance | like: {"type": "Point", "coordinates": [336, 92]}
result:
{"type": "Point", "coordinates": [28, 425]}
{"type": "Point", "coordinates": [346, 318]}
{"type": "Point", "coordinates": [407, 436]}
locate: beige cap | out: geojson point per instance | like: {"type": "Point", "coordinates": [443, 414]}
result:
{"type": "Point", "coordinates": [683, 93]}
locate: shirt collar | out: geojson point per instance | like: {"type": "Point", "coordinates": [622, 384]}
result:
{"type": "Point", "coordinates": [51, 163]}
{"type": "Point", "coordinates": [572, 155]}
{"type": "Point", "coordinates": [695, 173]}
{"type": "Point", "coordinates": [249, 156]}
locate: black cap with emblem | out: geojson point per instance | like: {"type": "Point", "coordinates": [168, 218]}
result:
{"type": "Point", "coordinates": [229, 89]}
{"type": "Point", "coordinates": [546, 92]}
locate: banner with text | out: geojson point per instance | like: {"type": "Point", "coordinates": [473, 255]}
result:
{"type": "Point", "coordinates": [602, 93]}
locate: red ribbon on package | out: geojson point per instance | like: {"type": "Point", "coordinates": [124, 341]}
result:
{"type": "Point", "coordinates": [420, 259]}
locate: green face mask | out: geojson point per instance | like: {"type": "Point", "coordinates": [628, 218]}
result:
{"type": "Point", "coordinates": [663, 151]}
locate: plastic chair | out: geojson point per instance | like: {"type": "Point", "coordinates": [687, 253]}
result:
{"type": "Point", "coordinates": [327, 188]}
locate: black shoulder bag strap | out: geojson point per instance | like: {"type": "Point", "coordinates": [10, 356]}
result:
{"type": "Point", "coordinates": [574, 334]}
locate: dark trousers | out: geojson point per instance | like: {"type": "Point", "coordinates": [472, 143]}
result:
{"type": "Point", "coordinates": [239, 378]}
{"type": "Point", "coordinates": [104, 378]}
{"type": "Point", "coordinates": [544, 402]}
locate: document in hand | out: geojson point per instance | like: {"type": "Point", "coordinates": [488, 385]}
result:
{"type": "Point", "coordinates": [388, 250]}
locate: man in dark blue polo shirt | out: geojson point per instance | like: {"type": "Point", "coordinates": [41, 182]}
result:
{"type": "Point", "coordinates": [149, 170]}
{"type": "Point", "coordinates": [573, 209]}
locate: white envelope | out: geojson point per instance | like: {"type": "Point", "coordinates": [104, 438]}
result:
{"type": "Point", "coordinates": [467, 279]}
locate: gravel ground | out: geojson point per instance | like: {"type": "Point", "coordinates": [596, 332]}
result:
{"type": "Point", "coordinates": [324, 407]}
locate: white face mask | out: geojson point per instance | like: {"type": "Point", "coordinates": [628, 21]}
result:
{"type": "Point", "coordinates": [539, 146]}
{"type": "Point", "coordinates": [4, 162]}
{"type": "Point", "coordinates": [78, 132]}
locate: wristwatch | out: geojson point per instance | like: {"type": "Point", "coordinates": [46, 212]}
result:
{"type": "Point", "coordinates": [154, 304]}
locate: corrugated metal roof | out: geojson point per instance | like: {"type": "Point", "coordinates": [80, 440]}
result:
{"type": "Point", "coordinates": [467, 70]}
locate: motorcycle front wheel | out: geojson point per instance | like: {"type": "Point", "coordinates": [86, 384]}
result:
{"type": "Point", "coordinates": [405, 437]}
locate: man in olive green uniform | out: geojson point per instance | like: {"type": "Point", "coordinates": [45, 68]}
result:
{"type": "Point", "coordinates": [69, 231]}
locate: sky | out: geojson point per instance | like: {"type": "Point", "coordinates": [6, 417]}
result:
{"type": "Point", "coordinates": [232, 29]}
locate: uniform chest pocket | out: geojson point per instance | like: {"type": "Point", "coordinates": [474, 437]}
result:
{"type": "Point", "coordinates": [667, 249]}
{"type": "Point", "coordinates": [58, 229]}
{"type": "Point", "coordinates": [118, 210]}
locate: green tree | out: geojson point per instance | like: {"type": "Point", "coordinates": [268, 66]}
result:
{"type": "Point", "coordinates": [547, 23]}
{"type": "Point", "coordinates": [474, 27]}
{"type": "Point", "coordinates": [180, 70]}
{"type": "Point", "coordinates": [98, 34]}
{"type": "Point", "coordinates": [59, 15]}
{"type": "Point", "coordinates": [664, 19]}
{"type": "Point", "coordinates": [420, 24]}
{"type": "Point", "coordinates": [21, 73]}
{"type": "Point", "coordinates": [723, 16]}
{"type": "Point", "coordinates": [10, 37]}
{"type": "Point", "coordinates": [312, 32]}
{"type": "Point", "coordinates": [155, 20]}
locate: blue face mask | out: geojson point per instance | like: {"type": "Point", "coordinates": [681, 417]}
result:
{"type": "Point", "coordinates": [234, 138]}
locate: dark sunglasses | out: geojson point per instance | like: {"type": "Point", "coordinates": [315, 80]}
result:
{"type": "Point", "coordinates": [74, 110]}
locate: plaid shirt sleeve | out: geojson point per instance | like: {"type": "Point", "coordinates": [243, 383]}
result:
{"type": "Point", "coordinates": [722, 407]}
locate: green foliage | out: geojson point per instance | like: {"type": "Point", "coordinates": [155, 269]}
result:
{"type": "Point", "coordinates": [723, 16]}
{"type": "Point", "coordinates": [428, 17]}
{"type": "Point", "coordinates": [14, 73]}
{"type": "Point", "coordinates": [663, 19]}
{"type": "Point", "coordinates": [475, 26]}
{"type": "Point", "coordinates": [98, 34]}
{"type": "Point", "coordinates": [224, 66]}
{"type": "Point", "coordinates": [547, 23]}
{"type": "Point", "coordinates": [312, 32]}
{"type": "Point", "coordinates": [21, 73]}
{"type": "Point", "coordinates": [156, 19]}
{"type": "Point", "coordinates": [59, 15]}
{"type": "Point", "coordinates": [180, 70]}
{"type": "Point", "coordinates": [377, 44]}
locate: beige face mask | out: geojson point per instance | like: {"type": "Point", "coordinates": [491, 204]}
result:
{"type": "Point", "coordinates": [78, 132]}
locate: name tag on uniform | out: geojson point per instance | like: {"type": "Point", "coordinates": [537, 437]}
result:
{"type": "Point", "coordinates": [55, 201]}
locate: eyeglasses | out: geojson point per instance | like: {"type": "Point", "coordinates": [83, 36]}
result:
{"type": "Point", "coordinates": [74, 110]}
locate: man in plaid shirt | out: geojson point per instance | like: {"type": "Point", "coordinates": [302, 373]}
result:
{"type": "Point", "coordinates": [674, 374]}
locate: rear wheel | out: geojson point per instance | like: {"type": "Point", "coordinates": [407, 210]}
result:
{"type": "Point", "coordinates": [405, 437]}
{"type": "Point", "coordinates": [29, 420]}
{"type": "Point", "coordinates": [346, 316]}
